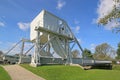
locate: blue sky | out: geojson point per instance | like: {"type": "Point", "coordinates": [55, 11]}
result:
{"type": "Point", "coordinates": [16, 15]}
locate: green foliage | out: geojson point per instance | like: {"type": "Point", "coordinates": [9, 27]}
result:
{"type": "Point", "coordinates": [4, 75]}
{"type": "Point", "coordinates": [101, 57]}
{"type": "Point", "coordinates": [87, 53]}
{"type": "Point", "coordinates": [103, 51]}
{"type": "Point", "coordinates": [118, 51]}
{"type": "Point", "coordinates": [114, 15]}
{"type": "Point", "coordinates": [75, 53]}
{"type": "Point", "coordinates": [111, 16]}
{"type": "Point", "coordinates": [60, 72]}
{"type": "Point", "coordinates": [102, 48]}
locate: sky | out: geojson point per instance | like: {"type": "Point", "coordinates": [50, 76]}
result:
{"type": "Point", "coordinates": [81, 16]}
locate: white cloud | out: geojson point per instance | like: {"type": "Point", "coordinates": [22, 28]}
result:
{"type": "Point", "coordinates": [2, 24]}
{"type": "Point", "coordinates": [23, 26]}
{"type": "Point", "coordinates": [76, 21]}
{"type": "Point", "coordinates": [92, 47]}
{"type": "Point", "coordinates": [60, 4]}
{"type": "Point", "coordinates": [104, 8]}
{"type": "Point", "coordinates": [112, 24]}
{"type": "Point", "coordinates": [77, 29]}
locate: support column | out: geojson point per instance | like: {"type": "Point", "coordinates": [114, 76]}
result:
{"type": "Point", "coordinates": [37, 51]}
{"type": "Point", "coordinates": [48, 46]}
{"type": "Point", "coordinates": [67, 48]}
{"type": "Point", "coordinates": [36, 58]}
{"type": "Point", "coordinates": [21, 53]}
{"type": "Point", "coordinates": [83, 58]}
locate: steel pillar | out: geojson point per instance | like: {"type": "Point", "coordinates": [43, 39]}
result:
{"type": "Point", "coordinates": [21, 53]}
{"type": "Point", "coordinates": [36, 57]}
{"type": "Point", "coordinates": [67, 48]}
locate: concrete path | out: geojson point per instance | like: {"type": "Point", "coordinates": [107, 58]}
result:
{"type": "Point", "coordinates": [19, 73]}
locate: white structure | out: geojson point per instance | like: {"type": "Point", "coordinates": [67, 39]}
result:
{"type": "Point", "coordinates": [51, 33]}
{"type": "Point", "coordinates": [50, 22]}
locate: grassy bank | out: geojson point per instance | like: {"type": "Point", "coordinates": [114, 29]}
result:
{"type": "Point", "coordinates": [116, 67]}
{"type": "Point", "coordinates": [4, 75]}
{"type": "Point", "coordinates": [59, 72]}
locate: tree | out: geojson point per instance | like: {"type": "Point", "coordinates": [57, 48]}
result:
{"type": "Point", "coordinates": [87, 53]}
{"type": "Point", "coordinates": [75, 53]}
{"type": "Point", "coordinates": [113, 16]}
{"type": "Point", "coordinates": [118, 51]}
{"type": "Point", "coordinates": [1, 53]}
{"type": "Point", "coordinates": [104, 51]}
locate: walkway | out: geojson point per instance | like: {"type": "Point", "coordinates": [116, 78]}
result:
{"type": "Point", "coordinates": [19, 73]}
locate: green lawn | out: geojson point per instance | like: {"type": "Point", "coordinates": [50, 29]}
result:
{"type": "Point", "coordinates": [4, 75]}
{"type": "Point", "coordinates": [60, 72]}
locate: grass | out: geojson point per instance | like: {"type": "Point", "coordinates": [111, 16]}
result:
{"type": "Point", "coordinates": [4, 75]}
{"type": "Point", "coordinates": [116, 67]}
{"type": "Point", "coordinates": [61, 72]}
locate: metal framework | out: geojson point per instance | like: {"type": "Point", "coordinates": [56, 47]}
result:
{"type": "Point", "coordinates": [52, 35]}
{"type": "Point", "coordinates": [56, 35]}
{"type": "Point", "coordinates": [22, 50]}
{"type": "Point", "coordinates": [21, 54]}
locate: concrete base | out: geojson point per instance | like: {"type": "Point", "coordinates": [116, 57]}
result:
{"type": "Point", "coordinates": [35, 64]}
{"type": "Point", "coordinates": [77, 65]}
{"type": "Point", "coordinates": [68, 63]}
{"type": "Point", "coordinates": [19, 63]}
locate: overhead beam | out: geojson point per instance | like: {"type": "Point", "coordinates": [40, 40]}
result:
{"type": "Point", "coordinates": [41, 29]}
{"type": "Point", "coordinates": [27, 40]}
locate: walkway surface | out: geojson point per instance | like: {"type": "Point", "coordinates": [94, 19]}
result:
{"type": "Point", "coordinates": [19, 73]}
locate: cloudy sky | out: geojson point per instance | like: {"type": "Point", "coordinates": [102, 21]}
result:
{"type": "Point", "coordinates": [81, 15]}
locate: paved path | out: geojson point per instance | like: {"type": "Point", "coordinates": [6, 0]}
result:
{"type": "Point", "coordinates": [19, 73]}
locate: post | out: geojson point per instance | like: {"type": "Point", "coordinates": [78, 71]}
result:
{"type": "Point", "coordinates": [48, 46]}
{"type": "Point", "coordinates": [67, 48]}
{"type": "Point", "coordinates": [36, 58]}
{"type": "Point", "coordinates": [21, 53]}
{"type": "Point", "coordinates": [37, 49]}
{"type": "Point", "coordinates": [83, 58]}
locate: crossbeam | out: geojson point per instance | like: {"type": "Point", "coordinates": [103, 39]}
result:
{"type": "Point", "coordinates": [27, 40]}
{"type": "Point", "coordinates": [41, 29]}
